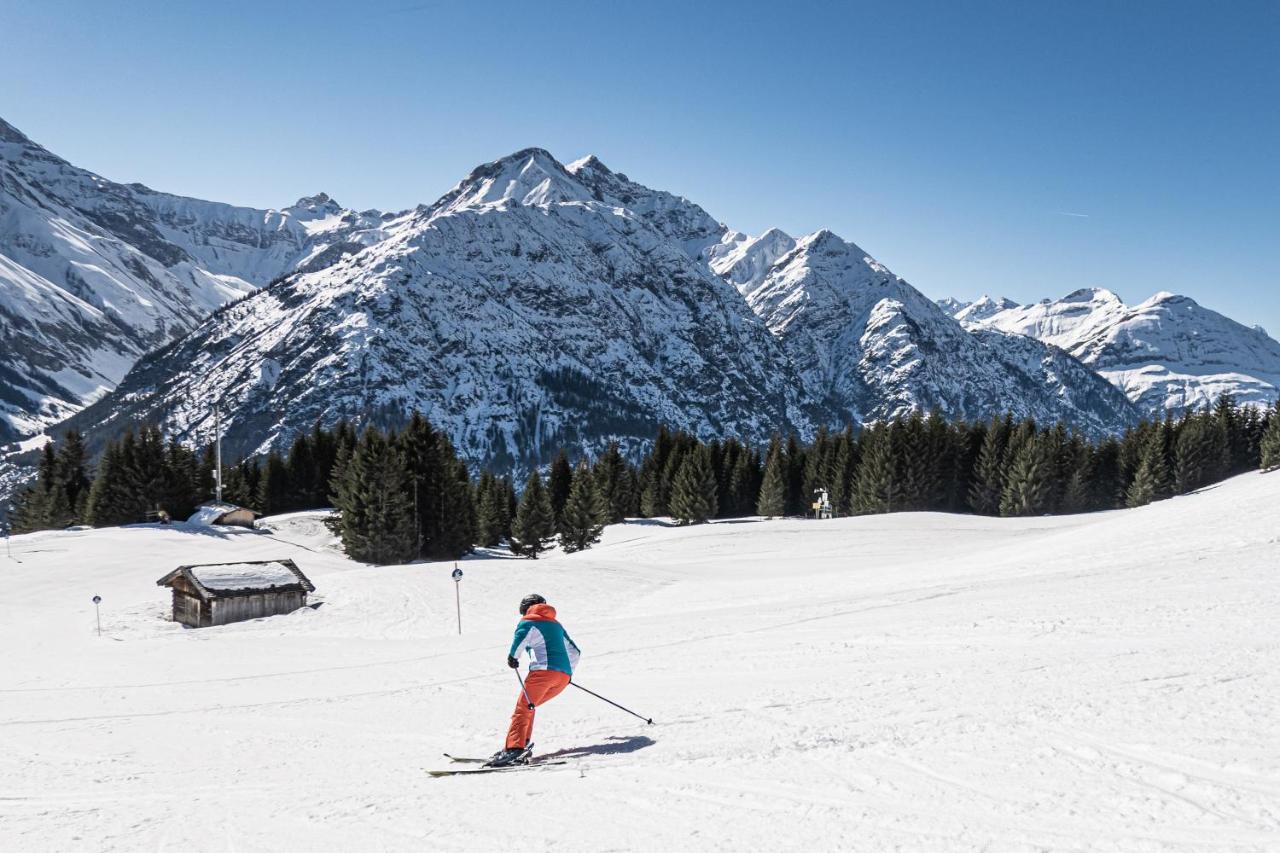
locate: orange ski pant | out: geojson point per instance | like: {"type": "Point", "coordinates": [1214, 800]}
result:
{"type": "Point", "coordinates": [541, 685]}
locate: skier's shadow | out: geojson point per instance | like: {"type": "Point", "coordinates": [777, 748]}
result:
{"type": "Point", "coordinates": [613, 746]}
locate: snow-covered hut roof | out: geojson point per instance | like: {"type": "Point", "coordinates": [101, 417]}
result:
{"type": "Point", "coordinates": [220, 580]}
{"type": "Point", "coordinates": [209, 513]}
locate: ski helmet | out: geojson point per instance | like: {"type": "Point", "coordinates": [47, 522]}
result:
{"type": "Point", "coordinates": [530, 600]}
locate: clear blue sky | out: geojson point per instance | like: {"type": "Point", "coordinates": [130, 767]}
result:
{"type": "Point", "coordinates": [948, 139]}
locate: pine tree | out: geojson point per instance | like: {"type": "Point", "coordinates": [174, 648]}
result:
{"type": "Point", "coordinates": [653, 487]}
{"type": "Point", "coordinates": [1197, 453]}
{"type": "Point", "coordinates": [509, 505]}
{"type": "Point", "coordinates": [146, 472]}
{"type": "Point", "coordinates": [457, 533]}
{"type": "Point", "coordinates": [844, 467]}
{"type": "Point", "coordinates": [373, 496]}
{"type": "Point", "coordinates": [535, 522]}
{"type": "Point", "coordinates": [1030, 483]}
{"type": "Point", "coordinates": [585, 512]}
{"type": "Point", "coordinates": [1270, 443]}
{"type": "Point", "coordinates": [794, 461]}
{"type": "Point", "coordinates": [490, 500]}
{"type": "Point", "coordinates": [439, 488]}
{"type": "Point", "coordinates": [723, 456]}
{"type": "Point", "coordinates": [559, 482]}
{"type": "Point", "coordinates": [111, 501]}
{"type": "Point", "coordinates": [612, 483]}
{"type": "Point", "coordinates": [1105, 486]}
{"type": "Point", "coordinates": [1151, 480]}
{"type": "Point", "coordinates": [693, 493]}
{"type": "Point", "coordinates": [302, 476]}
{"type": "Point", "coordinates": [772, 501]}
{"type": "Point", "coordinates": [874, 488]}
{"type": "Point", "coordinates": [179, 493]}
{"type": "Point", "coordinates": [274, 486]}
{"type": "Point", "coordinates": [1233, 425]}
{"type": "Point", "coordinates": [71, 474]}
{"type": "Point", "coordinates": [817, 466]}
{"type": "Point", "coordinates": [744, 484]}
{"type": "Point", "coordinates": [988, 479]}
{"type": "Point", "coordinates": [916, 463]}
{"type": "Point", "coordinates": [1077, 492]}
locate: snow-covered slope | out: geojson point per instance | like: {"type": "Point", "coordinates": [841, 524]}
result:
{"type": "Point", "coordinates": [1167, 354]}
{"type": "Point", "coordinates": [94, 273]}
{"type": "Point", "coordinates": [529, 307]}
{"type": "Point", "coordinates": [868, 345]}
{"type": "Point", "coordinates": [1101, 682]}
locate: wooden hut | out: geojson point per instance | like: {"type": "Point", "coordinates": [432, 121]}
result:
{"type": "Point", "coordinates": [218, 593]}
{"type": "Point", "coordinates": [215, 512]}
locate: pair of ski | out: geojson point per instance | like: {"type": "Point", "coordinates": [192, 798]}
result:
{"type": "Point", "coordinates": [464, 771]}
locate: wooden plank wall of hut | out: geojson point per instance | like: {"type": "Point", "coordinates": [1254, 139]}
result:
{"type": "Point", "coordinates": [186, 608]}
{"type": "Point", "coordinates": [241, 607]}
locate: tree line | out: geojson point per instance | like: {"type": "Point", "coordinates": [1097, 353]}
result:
{"type": "Point", "coordinates": [404, 494]}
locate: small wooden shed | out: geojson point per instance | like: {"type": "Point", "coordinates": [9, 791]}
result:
{"type": "Point", "coordinates": [215, 512]}
{"type": "Point", "coordinates": [218, 593]}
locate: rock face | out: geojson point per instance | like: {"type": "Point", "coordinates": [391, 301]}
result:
{"type": "Point", "coordinates": [1167, 354]}
{"type": "Point", "coordinates": [531, 306]}
{"type": "Point", "coordinates": [869, 346]}
{"type": "Point", "coordinates": [93, 273]}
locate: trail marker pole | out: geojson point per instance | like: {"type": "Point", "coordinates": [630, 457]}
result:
{"type": "Point", "coordinates": [457, 594]}
{"type": "Point", "coordinates": [97, 599]}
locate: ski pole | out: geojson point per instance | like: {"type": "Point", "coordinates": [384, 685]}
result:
{"type": "Point", "coordinates": [648, 720]}
{"type": "Point", "coordinates": [522, 690]}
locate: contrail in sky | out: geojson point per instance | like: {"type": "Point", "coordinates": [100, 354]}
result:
{"type": "Point", "coordinates": [1076, 215]}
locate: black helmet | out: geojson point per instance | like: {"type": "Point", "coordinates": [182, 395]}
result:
{"type": "Point", "coordinates": [530, 600]}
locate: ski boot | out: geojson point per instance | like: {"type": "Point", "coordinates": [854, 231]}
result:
{"type": "Point", "coordinates": [508, 757]}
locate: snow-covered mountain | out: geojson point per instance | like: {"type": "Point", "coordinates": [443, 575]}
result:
{"type": "Point", "coordinates": [531, 306]}
{"type": "Point", "coordinates": [94, 273]}
{"type": "Point", "coordinates": [1168, 353]}
{"type": "Point", "coordinates": [983, 308]}
{"type": "Point", "coordinates": [867, 345]}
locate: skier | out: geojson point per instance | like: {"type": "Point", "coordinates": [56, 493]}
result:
{"type": "Point", "coordinates": [552, 657]}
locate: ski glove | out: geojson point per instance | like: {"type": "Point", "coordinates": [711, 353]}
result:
{"type": "Point", "coordinates": [512, 662]}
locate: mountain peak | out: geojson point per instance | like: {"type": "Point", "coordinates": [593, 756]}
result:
{"type": "Point", "coordinates": [321, 204]}
{"type": "Point", "coordinates": [316, 200]}
{"type": "Point", "coordinates": [1092, 294]}
{"type": "Point", "coordinates": [590, 163]}
{"type": "Point", "coordinates": [530, 176]}
{"type": "Point", "coordinates": [1164, 297]}
{"type": "Point", "coordinates": [984, 308]}
{"type": "Point", "coordinates": [9, 133]}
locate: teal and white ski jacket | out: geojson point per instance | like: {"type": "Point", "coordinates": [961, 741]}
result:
{"type": "Point", "coordinates": [547, 642]}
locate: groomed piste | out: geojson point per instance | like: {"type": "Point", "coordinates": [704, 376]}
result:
{"type": "Point", "coordinates": [909, 681]}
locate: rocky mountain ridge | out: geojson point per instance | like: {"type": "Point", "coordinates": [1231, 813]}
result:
{"type": "Point", "coordinates": [1168, 353]}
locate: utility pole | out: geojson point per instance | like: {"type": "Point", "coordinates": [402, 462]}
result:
{"type": "Point", "coordinates": [217, 452]}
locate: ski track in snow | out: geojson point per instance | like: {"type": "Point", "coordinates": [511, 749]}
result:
{"type": "Point", "coordinates": [905, 682]}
